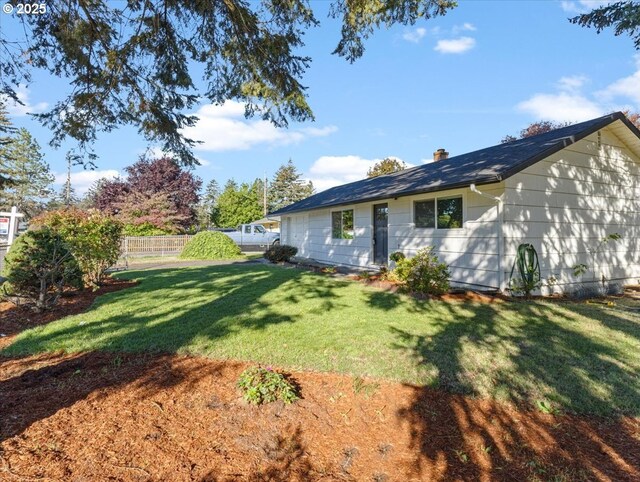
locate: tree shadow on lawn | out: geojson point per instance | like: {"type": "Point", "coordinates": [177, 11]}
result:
{"type": "Point", "coordinates": [156, 316]}
{"type": "Point", "coordinates": [172, 309]}
{"type": "Point", "coordinates": [540, 359]}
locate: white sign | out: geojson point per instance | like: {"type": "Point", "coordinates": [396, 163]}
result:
{"type": "Point", "coordinates": [4, 226]}
{"type": "Point", "coordinates": [12, 224]}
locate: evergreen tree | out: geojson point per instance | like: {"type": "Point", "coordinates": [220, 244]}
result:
{"type": "Point", "coordinates": [288, 187]}
{"type": "Point", "coordinates": [207, 208]}
{"type": "Point", "coordinates": [6, 132]}
{"type": "Point", "coordinates": [64, 198]}
{"type": "Point", "coordinates": [89, 200]}
{"type": "Point", "coordinates": [133, 62]}
{"type": "Point", "coordinates": [32, 178]}
{"type": "Point", "coordinates": [623, 16]}
{"type": "Point", "coordinates": [238, 204]}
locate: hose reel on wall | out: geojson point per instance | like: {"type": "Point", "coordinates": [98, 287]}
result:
{"type": "Point", "coordinates": [527, 277]}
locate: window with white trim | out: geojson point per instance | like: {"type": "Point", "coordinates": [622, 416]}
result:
{"type": "Point", "coordinates": [342, 224]}
{"type": "Point", "coordinates": [441, 213]}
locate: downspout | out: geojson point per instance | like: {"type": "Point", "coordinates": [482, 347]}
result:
{"type": "Point", "coordinates": [499, 223]}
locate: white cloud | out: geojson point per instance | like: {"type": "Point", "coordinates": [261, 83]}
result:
{"type": "Point", "coordinates": [224, 128]}
{"type": "Point", "coordinates": [158, 153]}
{"type": "Point", "coordinates": [465, 27]}
{"type": "Point", "coordinates": [415, 35]}
{"type": "Point", "coordinates": [561, 107]}
{"type": "Point", "coordinates": [81, 181]}
{"type": "Point", "coordinates": [572, 83]}
{"type": "Point", "coordinates": [570, 103]}
{"type": "Point", "coordinates": [582, 6]}
{"type": "Point", "coordinates": [18, 110]}
{"type": "Point", "coordinates": [455, 46]}
{"type": "Point", "coordinates": [330, 171]}
{"type": "Point", "coordinates": [628, 87]}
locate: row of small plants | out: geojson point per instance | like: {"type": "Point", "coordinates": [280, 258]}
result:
{"type": "Point", "coordinates": [62, 249]}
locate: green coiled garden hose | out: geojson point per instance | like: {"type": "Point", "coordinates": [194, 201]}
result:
{"type": "Point", "coordinates": [528, 268]}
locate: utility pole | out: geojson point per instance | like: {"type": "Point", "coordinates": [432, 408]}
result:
{"type": "Point", "coordinates": [264, 191]}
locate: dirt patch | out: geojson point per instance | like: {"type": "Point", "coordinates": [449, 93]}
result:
{"type": "Point", "coordinates": [14, 319]}
{"type": "Point", "coordinates": [100, 416]}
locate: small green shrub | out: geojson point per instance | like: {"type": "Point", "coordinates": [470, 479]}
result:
{"type": "Point", "coordinates": [397, 256]}
{"type": "Point", "coordinates": [280, 253]}
{"type": "Point", "coordinates": [401, 271]}
{"type": "Point", "coordinates": [423, 273]}
{"type": "Point", "coordinates": [93, 237]}
{"type": "Point", "coordinates": [263, 385]}
{"type": "Point", "coordinates": [38, 268]}
{"type": "Point", "coordinates": [211, 245]}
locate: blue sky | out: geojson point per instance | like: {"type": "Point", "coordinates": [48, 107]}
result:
{"type": "Point", "coordinates": [459, 82]}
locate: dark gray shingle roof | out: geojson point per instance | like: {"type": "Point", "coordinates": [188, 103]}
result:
{"type": "Point", "coordinates": [489, 165]}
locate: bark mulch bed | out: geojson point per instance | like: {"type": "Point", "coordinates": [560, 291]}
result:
{"type": "Point", "coordinates": [109, 416]}
{"type": "Point", "coordinates": [99, 416]}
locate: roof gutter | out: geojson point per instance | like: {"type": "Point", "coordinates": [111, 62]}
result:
{"type": "Point", "coordinates": [499, 231]}
{"type": "Point", "coordinates": [459, 185]}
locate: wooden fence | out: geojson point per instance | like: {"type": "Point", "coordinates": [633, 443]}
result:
{"type": "Point", "coordinates": [154, 245]}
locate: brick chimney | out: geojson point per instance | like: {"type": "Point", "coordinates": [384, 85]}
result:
{"type": "Point", "coordinates": [439, 155]}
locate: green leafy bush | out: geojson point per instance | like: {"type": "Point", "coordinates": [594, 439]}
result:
{"type": "Point", "coordinates": [38, 268]}
{"type": "Point", "coordinates": [93, 237]}
{"type": "Point", "coordinates": [397, 256]}
{"type": "Point", "coordinates": [263, 385]}
{"type": "Point", "coordinates": [211, 245]}
{"type": "Point", "coordinates": [280, 253]}
{"type": "Point", "coordinates": [423, 273]}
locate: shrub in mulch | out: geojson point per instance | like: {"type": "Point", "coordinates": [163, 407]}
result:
{"type": "Point", "coordinates": [38, 268]}
{"type": "Point", "coordinates": [265, 385]}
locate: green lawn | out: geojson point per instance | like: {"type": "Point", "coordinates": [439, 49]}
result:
{"type": "Point", "coordinates": [585, 358]}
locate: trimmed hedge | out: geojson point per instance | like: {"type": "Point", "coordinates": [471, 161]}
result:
{"type": "Point", "coordinates": [211, 245]}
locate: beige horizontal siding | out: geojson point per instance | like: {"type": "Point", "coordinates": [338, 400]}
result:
{"type": "Point", "coordinates": [566, 204]}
